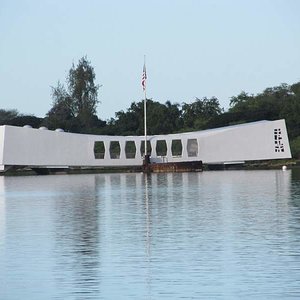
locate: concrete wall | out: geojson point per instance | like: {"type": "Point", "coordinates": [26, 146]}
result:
{"type": "Point", "coordinates": [37, 147]}
{"type": "Point", "coordinates": [1, 147]}
{"type": "Point", "coordinates": [253, 141]}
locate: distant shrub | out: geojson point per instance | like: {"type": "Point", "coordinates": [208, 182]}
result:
{"type": "Point", "coordinates": [295, 147]}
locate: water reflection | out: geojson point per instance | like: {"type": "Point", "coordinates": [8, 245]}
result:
{"type": "Point", "coordinates": [2, 213]}
{"type": "Point", "coordinates": [77, 233]}
{"type": "Point", "coordinates": [218, 235]}
{"type": "Point", "coordinates": [295, 188]}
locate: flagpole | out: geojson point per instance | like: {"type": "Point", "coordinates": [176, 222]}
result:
{"type": "Point", "coordinates": [145, 122]}
{"type": "Point", "coordinates": [145, 108]}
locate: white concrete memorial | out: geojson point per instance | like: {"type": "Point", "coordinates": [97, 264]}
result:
{"type": "Point", "coordinates": [26, 146]}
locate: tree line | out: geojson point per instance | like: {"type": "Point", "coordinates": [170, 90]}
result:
{"type": "Point", "coordinates": [75, 103]}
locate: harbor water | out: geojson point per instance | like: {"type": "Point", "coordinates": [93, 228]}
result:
{"type": "Point", "coordinates": [208, 235]}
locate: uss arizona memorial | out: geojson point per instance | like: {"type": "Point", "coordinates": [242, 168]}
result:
{"type": "Point", "coordinates": [42, 148]}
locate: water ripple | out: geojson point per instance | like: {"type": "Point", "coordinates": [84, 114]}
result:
{"type": "Point", "coordinates": [210, 235]}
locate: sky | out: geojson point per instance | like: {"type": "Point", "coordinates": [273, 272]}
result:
{"type": "Point", "coordinates": [193, 48]}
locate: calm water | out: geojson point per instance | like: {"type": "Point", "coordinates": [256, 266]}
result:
{"type": "Point", "coordinates": [210, 235]}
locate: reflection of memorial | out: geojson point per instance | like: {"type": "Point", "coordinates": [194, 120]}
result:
{"type": "Point", "coordinates": [77, 235]}
{"type": "Point", "coordinates": [295, 188]}
{"type": "Point", "coordinates": [138, 236]}
{"type": "Point", "coordinates": [2, 211]}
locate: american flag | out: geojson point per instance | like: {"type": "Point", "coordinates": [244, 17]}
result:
{"type": "Point", "coordinates": [144, 77]}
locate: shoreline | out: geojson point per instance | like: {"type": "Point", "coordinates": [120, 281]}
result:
{"type": "Point", "coordinates": [251, 165]}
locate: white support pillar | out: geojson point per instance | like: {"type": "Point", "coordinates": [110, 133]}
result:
{"type": "Point", "coordinates": [169, 148]}
{"type": "Point", "coordinates": [184, 148]}
{"type": "Point", "coordinates": [153, 147]}
{"type": "Point", "coordinates": [122, 149]}
{"type": "Point", "coordinates": [106, 147]}
{"type": "Point", "coordinates": [138, 149]}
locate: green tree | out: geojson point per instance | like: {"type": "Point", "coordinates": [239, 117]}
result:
{"type": "Point", "coordinates": [291, 112]}
{"type": "Point", "coordinates": [295, 147]}
{"type": "Point", "coordinates": [240, 102]}
{"type": "Point", "coordinates": [7, 115]}
{"type": "Point", "coordinates": [83, 92]}
{"type": "Point", "coordinates": [161, 119]}
{"type": "Point", "coordinates": [174, 116]}
{"type": "Point", "coordinates": [198, 114]}
{"type": "Point", "coordinates": [14, 118]}
{"type": "Point", "coordinates": [74, 108]}
{"type": "Point", "coordinates": [22, 120]}
{"type": "Point", "coordinates": [62, 114]}
{"type": "Point", "coordinates": [267, 105]}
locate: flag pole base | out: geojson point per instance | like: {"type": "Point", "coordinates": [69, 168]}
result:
{"type": "Point", "coordinates": [146, 164]}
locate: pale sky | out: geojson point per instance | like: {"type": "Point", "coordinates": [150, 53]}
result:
{"type": "Point", "coordinates": [193, 48]}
